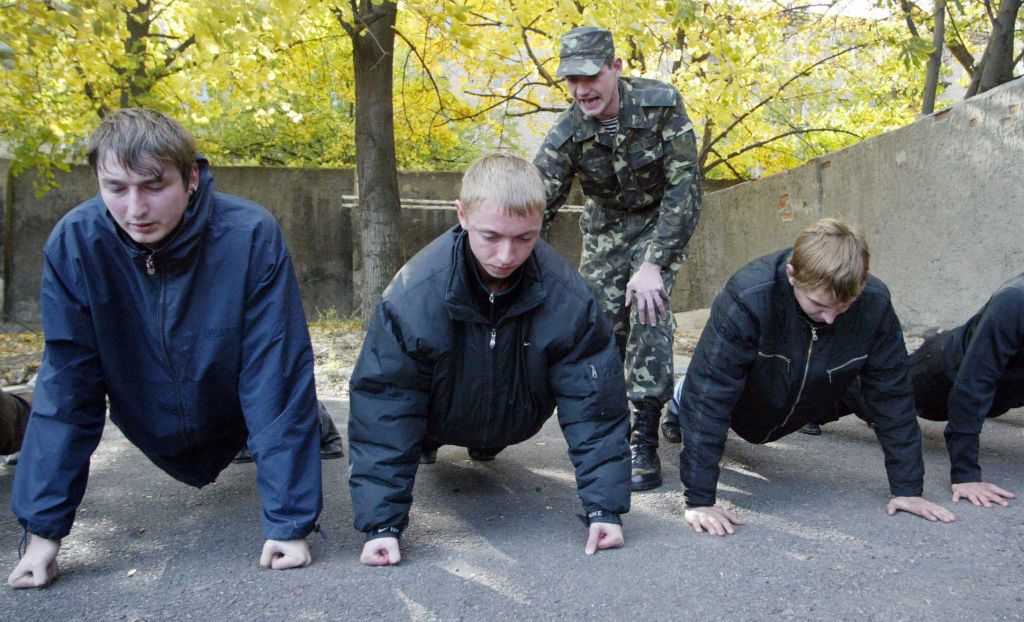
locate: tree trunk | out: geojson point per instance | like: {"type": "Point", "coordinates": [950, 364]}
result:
{"type": "Point", "coordinates": [373, 43]}
{"type": "Point", "coordinates": [931, 80]}
{"type": "Point", "coordinates": [996, 65]}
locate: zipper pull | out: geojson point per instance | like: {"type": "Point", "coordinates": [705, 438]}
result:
{"type": "Point", "coordinates": [814, 333]}
{"type": "Point", "coordinates": [491, 297]}
{"type": "Point", "coordinates": [593, 372]}
{"type": "Point", "coordinates": [150, 266]}
{"type": "Point", "coordinates": [494, 333]}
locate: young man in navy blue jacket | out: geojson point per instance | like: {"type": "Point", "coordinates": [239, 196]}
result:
{"type": "Point", "coordinates": [785, 341]}
{"type": "Point", "coordinates": [180, 306]}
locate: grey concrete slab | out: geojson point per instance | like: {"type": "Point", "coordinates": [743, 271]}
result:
{"type": "Point", "coordinates": [500, 539]}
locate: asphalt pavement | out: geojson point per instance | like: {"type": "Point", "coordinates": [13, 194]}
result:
{"type": "Point", "coordinates": [501, 540]}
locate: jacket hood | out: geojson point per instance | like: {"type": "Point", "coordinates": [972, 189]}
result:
{"type": "Point", "coordinates": [181, 243]}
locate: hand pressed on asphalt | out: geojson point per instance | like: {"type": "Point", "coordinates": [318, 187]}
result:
{"type": "Point", "coordinates": [712, 519]}
{"type": "Point", "coordinates": [648, 288]}
{"type": "Point", "coordinates": [381, 552]}
{"type": "Point", "coordinates": [284, 554]}
{"type": "Point", "coordinates": [982, 493]}
{"type": "Point", "coordinates": [921, 507]}
{"type": "Point", "coordinates": [38, 566]}
{"type": "Point", "coordinates": [603, 536]}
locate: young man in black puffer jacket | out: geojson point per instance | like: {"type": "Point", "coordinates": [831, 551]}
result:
{"type": "Point", "coordinates": [475, 342]}
{"type": "Point", "coordinates": [784, 343]}
{"type": "Point", "coordinates": [966, 375]}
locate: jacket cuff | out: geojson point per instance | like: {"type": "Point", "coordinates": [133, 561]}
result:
{"type": "Point", "coordinates": [697, 499]}
{"type": "Point", "coordinates": [660, 256]}
{"type": "Point", "coordinates": [602, 516]}
{"type": "Point", "coordinates": [50, 532]}
{"type": "Point", "coordinates": [393, 531]}
{"type": "Point", "coordinates": [913, 490]}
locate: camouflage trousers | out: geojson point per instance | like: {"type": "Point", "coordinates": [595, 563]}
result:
{"type": "Point", "coordinates": [614, 243]}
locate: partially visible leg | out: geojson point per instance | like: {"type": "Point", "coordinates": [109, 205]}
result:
{"type": "Point", "coordinates": [330, 439]}
{"type": "Point", "coordinates": [928, 375]}
{"type": "Point", "coordinates": [14, 415]}
{"type": "Point", "coordinates": [428, 451]}
{"type": "Point", "coordinates": [331, 445]}
{"type": "Point", "coordinates": [484, 454]}
{"type": "Point", "coordinates": [649, 374]}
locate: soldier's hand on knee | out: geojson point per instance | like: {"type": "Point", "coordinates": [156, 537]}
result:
{"type": "Point", "coordinates": [648, 289]}
{"type": "Point", "coordinates": [714, 520]}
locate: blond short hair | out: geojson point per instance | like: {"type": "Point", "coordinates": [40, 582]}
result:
{"type": "Point", "coordinates": [832, 254]}
{"type": "Point", "coordinates": [143, 141]}
{"type": "Point", "coordinates": [506, 180]}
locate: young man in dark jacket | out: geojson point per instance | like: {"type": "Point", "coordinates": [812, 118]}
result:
{"type": "Point", "coordinates": [476, 340]}
{"type": "Point", "coordinates": [968, 374]}
{"type": "Point", "coordinates": [785, 340]}
{"type": "Point", "coordinates": [180, 306]}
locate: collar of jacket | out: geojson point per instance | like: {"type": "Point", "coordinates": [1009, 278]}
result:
{"type": "Point", "coordinates": [631, 114]}
{"type": "Point", "coordinates": [181, 243]}
{"type": "Point", "coordinates": [462, 305]}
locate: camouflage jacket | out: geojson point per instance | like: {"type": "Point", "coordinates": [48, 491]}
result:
{"type": "Point", "coordinates": [651, 162]}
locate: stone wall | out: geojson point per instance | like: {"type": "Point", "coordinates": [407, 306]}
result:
{"type": "Point", "coordinates": [941, 202]}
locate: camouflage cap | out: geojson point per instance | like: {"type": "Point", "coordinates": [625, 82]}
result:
{"type": "Point", "coordinates": [584, 50]}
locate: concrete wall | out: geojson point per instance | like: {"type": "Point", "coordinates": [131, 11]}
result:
{"type": "Point", "coordinates": [941, 202]}
{"type": "Point", "coordinates": [313, 207]}
{"type": "Point", "coordinates": [303, 201]}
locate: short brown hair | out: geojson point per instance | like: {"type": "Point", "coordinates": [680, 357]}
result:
{"type": "Point", "coordinates": [143, 141]}
{"type": "Point", "coordinates": [832, 254]}
{"type": "Point", "coordinates": [509, 181]}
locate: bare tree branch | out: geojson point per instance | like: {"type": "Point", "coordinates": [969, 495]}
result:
{"type": "Point", "coordinates": [723, 159]}
{"type": "Point", "coordinates": [800, 74]}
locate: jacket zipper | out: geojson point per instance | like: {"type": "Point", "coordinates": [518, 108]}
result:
{"type": "Point", "coordinates": [803, 381]}
{"type": "Point", "coordinates": [494, 329]}
{"type": "Point", "coordinates": [853, 360]}
{"type": "Point", "coordinates": [151, 269]}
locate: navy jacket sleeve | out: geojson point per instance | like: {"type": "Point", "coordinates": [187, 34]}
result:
{"type": "Point", "coordinates": [68, 408]}
{"type": "Point", "coordinates": [714, 382]}
{"type": "Point", "coordinates": [997, 338]}
{"type": "Point", "coordinates": [277, 393]}
{"type": "Point", "coordinates": [885, 380]}
{"type": "Point", "coordinates": [590, 389]}
{"type": "Point", "coordinates": [390, 391]}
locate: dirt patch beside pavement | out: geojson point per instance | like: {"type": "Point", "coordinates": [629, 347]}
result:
{"type": "Point", "coordinates": [336, 346]}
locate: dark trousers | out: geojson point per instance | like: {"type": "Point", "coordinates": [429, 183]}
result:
{"type": "Point", "coordinates": [14, 413]}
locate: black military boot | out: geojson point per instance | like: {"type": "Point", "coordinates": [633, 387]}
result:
{"type": "Point", "coordinates": [646, 473]}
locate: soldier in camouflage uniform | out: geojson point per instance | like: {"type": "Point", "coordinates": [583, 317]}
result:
{"type": "Point", "coordinates": [635, 151]}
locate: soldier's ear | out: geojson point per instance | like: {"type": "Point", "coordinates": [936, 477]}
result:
{"type": "Point", "coordinates": [791, 274]}
{"type": "Point", "coordinates": [461, 213]}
